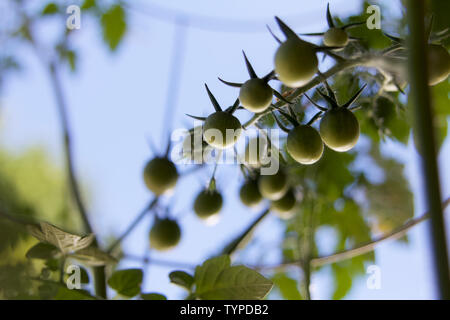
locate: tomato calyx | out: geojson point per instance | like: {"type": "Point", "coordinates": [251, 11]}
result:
{"type": "Point", "coordinates": [335, 37]}
{"type": "Point", "coordinates": [253, 88]}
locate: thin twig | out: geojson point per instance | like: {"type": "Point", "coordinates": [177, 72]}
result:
{"type": "Point", "coordinates": [160, 262]}
{"type": "Point", "coordinates": [361, 249]}
{"type": "Point", "coordinates": [133, 224]}
{"type": "Point", "coordinates": [240, 239]}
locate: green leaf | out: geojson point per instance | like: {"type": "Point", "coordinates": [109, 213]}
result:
{"type": "Point", "coordinates": [114, 26]}
{"type": "Point", "coordinates": [50, 8]}
{"type": "Point", "coordinates": [42, 251]}
{"type": "Point", "coordinates": [72, 294]}
{"type": "Point", "coordinates": [182, 279]}
{"type": "Point", "coordinates": [216, 279]}
{"type": "Point", "coordinates": [153, 296]}
{"type": "Point", "coordinates": [287, 286]}
{"type": "Point", "coordinates": [93, 256]}
{"type": "Point", "coordinates": [88, 4]}
{"type": "Point", "coordinates": [66, 242]}
{"type": "Point", "coordinates": [342, 280]}
{"type": "Point", "coordinates": [126, 282]}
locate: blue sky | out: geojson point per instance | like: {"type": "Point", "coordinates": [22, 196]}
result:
{"type": "Point", "coordinates": [116, 101]}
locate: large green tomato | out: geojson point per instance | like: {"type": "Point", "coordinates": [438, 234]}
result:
{"type": "Point", "coordinates": [304, 144]}
{"type": "Point", "coordinates": [249, 193]}
{"type": "Point", "coordinates": [255, 95]}
{"type": "Point", "coordinates": [273, 187]}
{"type": "Point", "coordinates": [438, 64]}
{"type": "Point", "coordinates": [164, 234]}
{"type": "Point", "coordinates": [160, 175]}
{"type": "Point", "coordinates": [335, 37]}
{"type": "Point", "coordinates": [216, 128]}
{"type": "Point", "coordinates": [339, 129]}
{"type": "Point", "coordinates": [284, 207]}
{"type": "Point", "coordinates": [295, 62]}
{"type": "Point", "coordinates": [208, 204]}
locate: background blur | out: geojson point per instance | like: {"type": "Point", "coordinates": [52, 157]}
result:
{"type": "Point", "coordinates": [117, 101]}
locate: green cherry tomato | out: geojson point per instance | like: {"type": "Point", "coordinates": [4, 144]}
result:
{"type": "Point", "coordinates": [164, 234]}
{"type": "Point", "coordinates": [255, 95]}
{"type": "Point", "coordinates": [273, 187]}
{"type": "Point", "coordinates": [304, 144]}
{"type": "Point", "coordinates": [339, 129]}
{"type": "Point", "coordinates": [221, 130]}
{"type": "Point", "coordinates": [438, 64]}
{"type": "Point", "coordinates": [335, 37]}
{"type": "Point", "coordinates": [160, 175]}
{"type": "Point", "coordinates": [295, 62]}
{"type": "Point", "coordinates": [249, 193]}
{"type": "Point", "coordinates": [256, 153]}
{"type": "Point", "coordinates": [208, 204]}
{"type": "Point", "coordinates": [284, 207]}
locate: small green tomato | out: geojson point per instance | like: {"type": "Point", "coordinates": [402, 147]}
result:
{"type": "Point", "coordinates": [249, 193]}
{"type": "Point", "coordinates": [438, 64]}
{"type": "Point", "coordinates": [221, 130]}
{"type": "Point", "coordinates": [256, 153]}
{"type": "Point", "coordinates": [164, 234]}
{"type": "Point", "coordinates": [339, 129]}
{"type": "Point", "coordinates": [255, 95]}
{"type": "Point", "coordinates": [284, 207]}
{"type": "Point", "coordinates": [335, 37]}
{"type": "Point", "coordinates": [304, 144]}
{"type": "Point", "coordinates": [295, 62]}
{"type": "Point", "coordinates": [273, 187]}
{"type": "Point", "coordinates": [160, 175]}
{"type": "Point", "coordinates": [208, 204]}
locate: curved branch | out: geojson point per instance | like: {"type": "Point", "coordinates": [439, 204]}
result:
{"type": "Point", "coordinates": [294, 94]}
{"type": "Point", "coordinates": [363, 248]}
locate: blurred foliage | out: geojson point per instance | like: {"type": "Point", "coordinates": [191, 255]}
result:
{"type": "Point", "coordinates": [336, 193]}
{"type": "Point", "coordinates": [31, 188]}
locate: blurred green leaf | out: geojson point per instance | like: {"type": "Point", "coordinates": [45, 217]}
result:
{"type": "Point", "coordinates": [43, 251]}
{"type": "Point", "coordinates": [126, 282]}
{"type": "Point", "coordinates": [50, 8]}
{"type": "Point", "coordinates": [153, 296]}
{"type": "Point", "coordinates": [288, 287]}
{"type": "Point", "coordinates": [182, 279]}
{"type": "Point", "coordinates": [216, 279]}
{"type": "Point", "coordinates": [114, 26]}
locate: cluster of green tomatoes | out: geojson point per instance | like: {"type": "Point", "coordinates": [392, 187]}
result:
{"type": "Point", "coordinates": [295, 64]}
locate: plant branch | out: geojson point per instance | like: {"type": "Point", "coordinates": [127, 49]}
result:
{"type": "Point", "coordinates": [240, 239]}
{"type": "Point", "coordinates": [361, 249]}
{"type": "Point", "coordinates": [294, 94]}
{"type": "Point", "coordinates": [133, 224]}
{"type": "Point", "coordinates": [160, 262]}
{"type": "Point", "coordinates": [424, 130]}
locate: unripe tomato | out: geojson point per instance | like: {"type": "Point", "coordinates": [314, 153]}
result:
{"type": "Point", "coordinates": [295, 62]}
{"type": "Point", "coordinates": [164, 234]}
{"type": "Point", "coordinates": [255, 95]}
{"type": "Point", "coordinates": [438, 64]}
{"type": "Point", "coordinates": [256, 153]}
{"type": "Point", "coordinates": [284, 207]}
{"type": "Point", "coordinates": [273, 187]}
{"type": "Point", "coordinates": [339, 129]}
{"type": "Point", "coordinates": [335, 37]}
{"type": "Point", "coordinates": [304, 144]}
{"type": "Point", "coordinates": [249, 193]}
{"type": "Point", "coordinates": [160, 175]}
{"type": "Point", "coordinates": [208, 204]}
{"type": "Point", "coordinates": [215, 130]}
